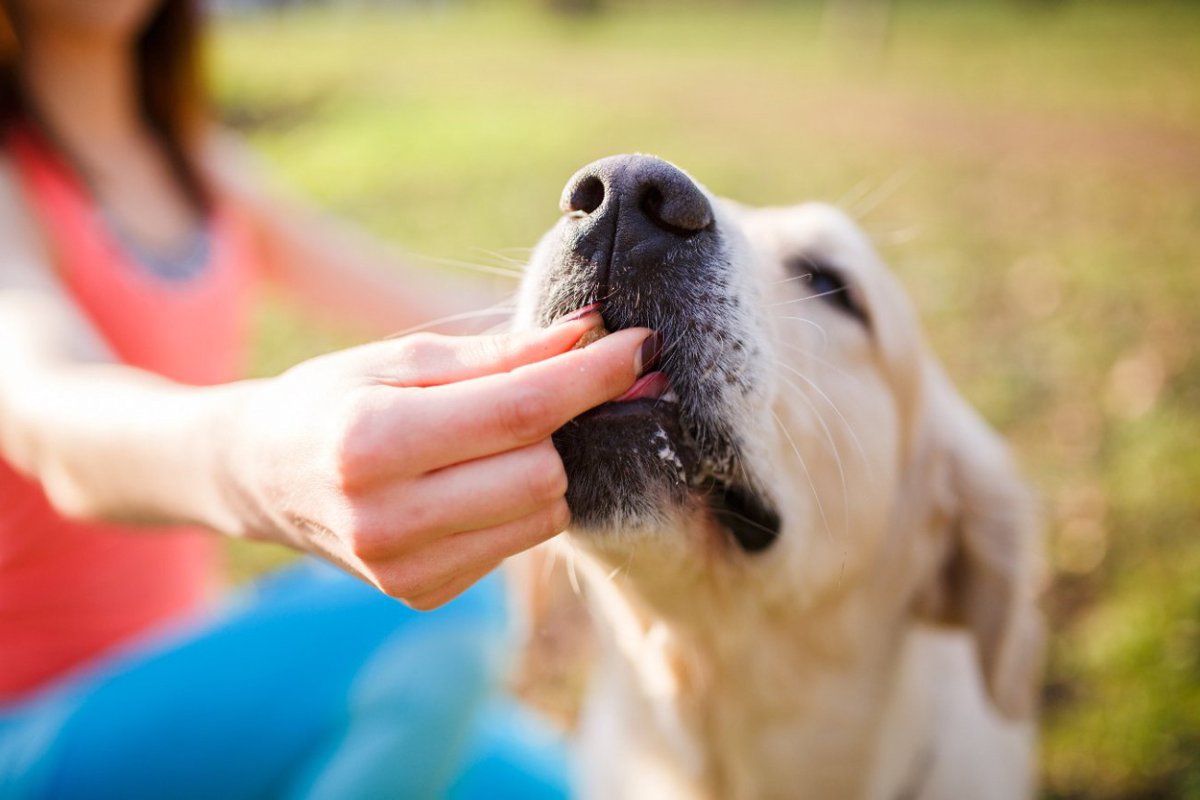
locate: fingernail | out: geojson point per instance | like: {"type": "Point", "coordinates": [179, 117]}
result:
{"type": "Point", "coordinates": [648, 354]}
{"type": "Point", "coordinates": [576, 315]}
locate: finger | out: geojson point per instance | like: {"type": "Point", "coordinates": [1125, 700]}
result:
{"type": "Point", "coordinates": [439, 562]}
{"type": "Point", "coordinates": [449, 590]}
{"type": "Point", "coordinates": [501, 412]}
{"type": "Point", "coordinates": [464, 497]}
{"type": "Point", "coordinates": [428, 359]}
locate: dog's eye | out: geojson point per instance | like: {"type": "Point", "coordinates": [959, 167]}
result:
{"type": "Point", "coordinates": [827, 283]}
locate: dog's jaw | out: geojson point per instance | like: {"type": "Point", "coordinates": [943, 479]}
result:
{"type": "Point", "coordinates": [701, 686]}
{"type": "Point", "coordinates": [731, 674]}
{"type": "Point", "coordinates": [636, 470]}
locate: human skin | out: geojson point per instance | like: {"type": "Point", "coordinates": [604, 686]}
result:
{"type": "Point", "coordinates": [416, 463]}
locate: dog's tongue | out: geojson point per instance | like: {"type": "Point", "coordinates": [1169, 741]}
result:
{"type": "Point", "coordinates": [651, 386]}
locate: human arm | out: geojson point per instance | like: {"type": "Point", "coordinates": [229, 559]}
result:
{"type": "Point", "coordinates": [335, 271]}
{"type": "Point", "coordinates": [416, 463]}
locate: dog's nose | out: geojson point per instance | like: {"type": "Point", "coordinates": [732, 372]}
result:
{"type": "Point", "coordinates": [643, 195]}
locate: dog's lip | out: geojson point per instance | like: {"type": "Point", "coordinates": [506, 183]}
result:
{"type": "Point", "coordinates": [651, 392]}
{"type": "Point", "coordinates": [631, 408]}
{"type": "Point", "coordinates": [744, 514]}
{"type": "Point", "coordinates": [653, 386]}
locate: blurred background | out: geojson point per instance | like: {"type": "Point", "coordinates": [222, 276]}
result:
{"type": "Point", "coordinates": [1030, 169]}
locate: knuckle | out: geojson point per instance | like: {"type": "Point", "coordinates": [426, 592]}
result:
{"type": "Point", "coordinates": [527, 414]}
{"type": "Point", "coordinates": [423, 346]}
{"type": "Point", "coordinates": [418, 519]}
{"type": "Point", "coordinates": [378, 532]}
{"type": "Point", "coordinates": [355, 452]}
{"type": "Point", "coordinates": [415, 354]}
{"type": "Point", "coordinates": [405, 583]}
{"type": "Point", "coordinates": [366, 543]}
{"type": "Point", "coordinates": [547, 476]}
{"type": "Point", "coordinates": [554, 520]}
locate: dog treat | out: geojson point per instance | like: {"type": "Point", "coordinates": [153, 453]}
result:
{"type": "Point", "coordinates": [592, 335]}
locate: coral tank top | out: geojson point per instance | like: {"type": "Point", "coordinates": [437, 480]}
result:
{"type": "Point", "coordinates": [70, 590]}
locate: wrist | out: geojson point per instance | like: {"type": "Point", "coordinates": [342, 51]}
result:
{"type": "Point", "coordinates": [224, 500]}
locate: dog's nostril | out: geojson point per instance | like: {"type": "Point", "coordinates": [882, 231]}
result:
{"type": "Point", "coordinates": [682, 209]}
{"type": "Point", "coordinates": [640, 195]}
{"type": "Point", "coordinates": [586, 195]}
{"type": "Point", "coordinates": [652, 204]}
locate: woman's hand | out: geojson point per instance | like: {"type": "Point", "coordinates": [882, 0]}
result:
{"type": "Point", "coordinates": [417, 463]}
{"type": "Point", "coordinates": [420, 463]}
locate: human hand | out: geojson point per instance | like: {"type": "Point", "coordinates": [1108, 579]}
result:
{"type": "Point", "coordinates": [420, 463]}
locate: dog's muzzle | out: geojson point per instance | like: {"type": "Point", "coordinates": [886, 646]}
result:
{"type": "Point", "coordinates": [641, 239]}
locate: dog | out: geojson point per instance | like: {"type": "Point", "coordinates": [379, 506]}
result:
{"type": "Point", "coordinates": [812, 565]}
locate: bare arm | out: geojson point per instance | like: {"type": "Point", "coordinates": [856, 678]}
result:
{"type": "Point", "coordinates": [67, 408]}
{"type": "Point", "coordinates": [417, 464]}
{"type": "Point", "coordinates": [336, 271]}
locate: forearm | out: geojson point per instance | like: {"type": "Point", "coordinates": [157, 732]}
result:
{"type": "Point", "coordinates": [347, 277]}
{"type": "Point", "coordinates": [111, 442]}
{"type": "Point", "coordinates": [418, 464]}
{"type": "Point", "coordinates": [339, 272]}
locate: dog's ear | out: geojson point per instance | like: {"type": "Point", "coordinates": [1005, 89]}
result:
{"type": "Point", "coordinates": [988, 575]}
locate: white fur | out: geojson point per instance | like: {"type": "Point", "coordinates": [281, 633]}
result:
{"type": "Point", "coordinates": [887, 645]}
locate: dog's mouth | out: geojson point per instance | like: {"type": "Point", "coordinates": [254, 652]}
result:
{"type": "Point", "coordinates": [646, 440]}
{"type": "Point", "coordinates": [640, 239]}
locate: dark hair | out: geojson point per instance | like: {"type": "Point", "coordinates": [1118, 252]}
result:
{"type": "Point", "coordinates": [170, 89]}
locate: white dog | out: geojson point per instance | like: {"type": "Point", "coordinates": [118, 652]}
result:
{"type": "Point", "coordinates": [811, 563]}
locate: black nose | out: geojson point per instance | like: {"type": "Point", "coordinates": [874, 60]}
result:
{"type": "Point", "coordinates": [633, 191]}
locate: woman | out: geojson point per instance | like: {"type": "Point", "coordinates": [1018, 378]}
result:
{"type": "Point", "coordinates": [131, 241]}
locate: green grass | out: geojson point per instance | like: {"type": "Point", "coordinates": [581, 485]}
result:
{"type": "Point", "coordinates": [1031, 170]}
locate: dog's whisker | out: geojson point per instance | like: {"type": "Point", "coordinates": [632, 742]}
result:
{"type": "Point", "coordinates": [896, 236]}
{"type": "Point", "coordinates": [612, 575]}
{"type": "Point", "coordinates": [781, 281]}
{"type": "Point", "coordinates": [518, 263]}
{"type": "Point", "coordinates": [821, 393]}
{"type": "Point", "coordinates": [572, 572]}
{"type": "Point", "coordinates": [807, 297]}
{"type": "Point", "coordinates": [487, 269]}
{"type": "Point", "coordinates": [884, 192]}
{"type": "Point", "coordinates": [857, 192]}
{"type": "Point", "coordinates": [491, 311]}
{"type": "Point", "coordinates": [750, 522]}
{"type": "Point", "coordinates": [837, 455]}
{"type": "Point", "coordinates": [811, 323]}
{"type": "Point", "coordinates": [808, 475]}
{"type": "Point", "coordinates": [724, 346]}
{"type": "Point", "coordinates": [823, 362]}
{"type": "Point", "coordinates": [740, 473]}
{"type": "Point", "coordinates": [526, 250]}
{"type": "Point", "coordinates": [549, 564]}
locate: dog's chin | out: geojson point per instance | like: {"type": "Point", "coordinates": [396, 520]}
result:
{"type": "Point", "coordinates": [633, 474]}
{"type": "Point", "coordinates": [627, 467]}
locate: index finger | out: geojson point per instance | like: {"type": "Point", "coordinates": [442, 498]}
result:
{"type": "Point", "coordinates": [497, 413]}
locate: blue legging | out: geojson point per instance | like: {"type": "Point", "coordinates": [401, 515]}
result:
{"type": "Point", "coordinates": [312, 685]}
